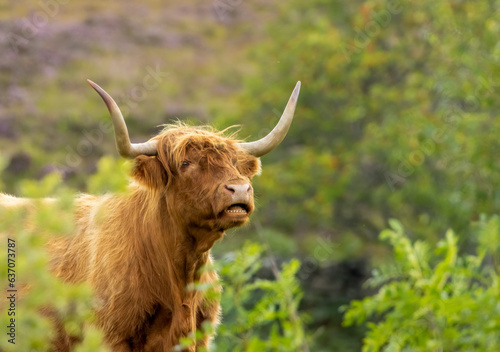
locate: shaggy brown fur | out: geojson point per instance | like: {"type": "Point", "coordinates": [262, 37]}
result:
{"type": "Point", "coordinates": [141, 249]}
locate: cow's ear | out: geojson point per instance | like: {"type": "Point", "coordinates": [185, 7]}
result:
{"type": "Point", "coordinates": [149, 171]}
{"type": "Point", "coordinates": [250, 165]}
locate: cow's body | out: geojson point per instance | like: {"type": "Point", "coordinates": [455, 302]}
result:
{"type": "Point", "coordinates": [141, 249]}
{"type": "Point", "coordinates": [139, 268]}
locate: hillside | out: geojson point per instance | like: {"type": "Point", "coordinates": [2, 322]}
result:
{"type": "Point", "coordinates": [197, 62]}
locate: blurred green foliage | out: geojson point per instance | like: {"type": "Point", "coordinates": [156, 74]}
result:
{"type": "Point", "coordinates": [38, 291]}
{"type": "Point", "coordinates": [395, 118]}
{"type": "Point", "coordinates": [258, 314]}
{"type": "Point", "coordinates": [434, 300]}
{"type": "Point", "coordinates": [262, 314]}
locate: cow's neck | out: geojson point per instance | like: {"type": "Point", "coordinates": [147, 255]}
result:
{"type": "Point", "coordinates": [175, 248]}
{"type": "Point", "coordinates": [188, 245]}
{"type": "Point", "coordinates": [195, 251]}
{"type": "Point", "coordinates": [202, 238]}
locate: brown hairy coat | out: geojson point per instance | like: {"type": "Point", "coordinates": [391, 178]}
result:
{"type": "Point", "coordinates": [139, 250]}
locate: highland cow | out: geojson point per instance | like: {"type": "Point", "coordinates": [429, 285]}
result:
{"type": "Point", "coordinates": [141, 249]}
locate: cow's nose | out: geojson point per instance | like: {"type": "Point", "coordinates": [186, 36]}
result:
{"type": "Point", "coordinates": [240, 193]}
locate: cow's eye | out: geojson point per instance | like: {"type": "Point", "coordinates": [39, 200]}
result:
{"type": "Point", "coordinates": [186, 163]}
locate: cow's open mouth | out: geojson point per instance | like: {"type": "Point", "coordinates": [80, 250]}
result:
{"type": "Point", "coordinates": [239, 208]}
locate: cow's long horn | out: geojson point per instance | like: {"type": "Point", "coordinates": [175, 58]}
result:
{"type": "Point", "coordinates": [125, 148]}
{"type": "Point", "coordinates": [274, 138]}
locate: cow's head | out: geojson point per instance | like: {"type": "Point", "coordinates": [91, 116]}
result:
{"type": "Point", "coordinates": [204, 175]}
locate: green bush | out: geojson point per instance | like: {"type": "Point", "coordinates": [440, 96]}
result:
{"type": "Point", "coordinates": [37, 288]}
{"type": "Point", "coordinates": [437, 300]}
{"type": "Point", "coordinates": [259, 314]}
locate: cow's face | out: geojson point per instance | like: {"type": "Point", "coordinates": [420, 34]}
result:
{"type": "Point", "coordinates": [206, 178]}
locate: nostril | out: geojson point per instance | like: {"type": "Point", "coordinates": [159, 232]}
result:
{"type": "Point", "coordinates": [239, 192]}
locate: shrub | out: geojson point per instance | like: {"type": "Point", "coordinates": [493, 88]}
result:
{"type": "Point", "coordinates": [437, 300]}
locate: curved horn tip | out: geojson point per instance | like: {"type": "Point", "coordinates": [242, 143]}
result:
{"type": "Point", "coordinates": [97, 88]}
{"type": "Point", "coordinates": [125, 148]}
{"type": "Point", "coordinates": [108, 100]}
{"type": "Point", "coordinates": [92, 84]}
{"type": "Point", "coordinates": [296, 91]}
